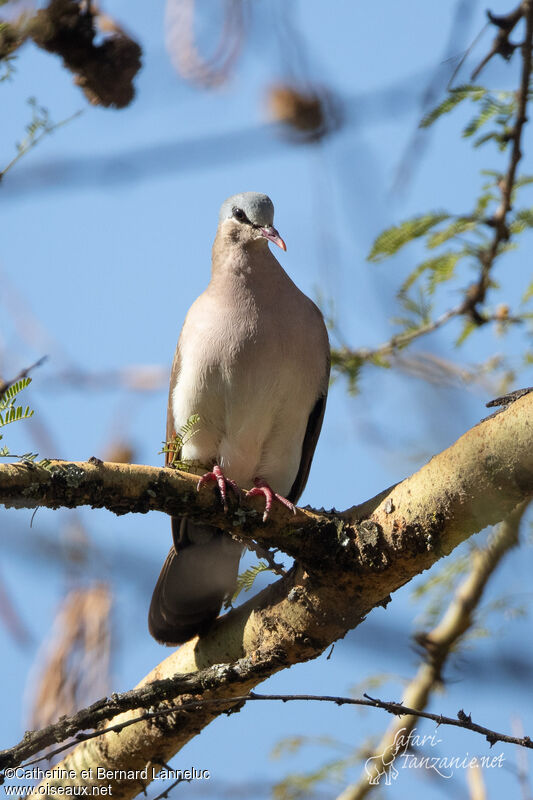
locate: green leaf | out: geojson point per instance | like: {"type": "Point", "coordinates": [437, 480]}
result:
{"type": "Point", "coordinates": [528, 294]}
{"type": "Point", "coordinates": [441, 268]}
{"type": "Point", "coordinates": [455, 96]}
{"type": "Point", "coordinates": [489, 108]}
{"type": "Point", "coordinates": [7, 397]}
{"type": "Point", "coordinates": [486, 138]}
{"type": "Point", "coordinates": [483, 202]}
{"type": "Point", "coordinates": [349, 364]}
{"type": "Point", "coordinates": [523, 219]}
{"type": "Point", "coordinates": [468, 328]}
{"type": "Point", "coordinates": [186, 432]}
{"type": "Point", "coordinates": [246, 579]}
{"type": "Point", "coordinates": [458, 226]}
{"type": "Point", "coordinates": [419, 308]}
{"type": "Point", "coordinates": [523, 180]}
{"type": "Point", "coordinates": [392, 239]}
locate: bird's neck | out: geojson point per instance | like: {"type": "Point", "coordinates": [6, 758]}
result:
{"type": "Point", "coordinates": [248, 263]}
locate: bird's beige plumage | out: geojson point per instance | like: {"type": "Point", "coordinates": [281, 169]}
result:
{"type": "Point", "coordinates": [252, 362]}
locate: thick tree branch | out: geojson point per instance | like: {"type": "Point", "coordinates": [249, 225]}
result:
{"type": "Point", "coordinates": [472, 484]}
{"type": "Point", "coordinates": [348, 562]}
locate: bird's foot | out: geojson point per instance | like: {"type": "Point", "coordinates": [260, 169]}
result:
{"type": "Point", "coordinates": [262, 487]}
{"type": "Point", "coordinates": [222, 482]}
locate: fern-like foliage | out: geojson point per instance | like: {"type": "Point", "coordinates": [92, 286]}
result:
{"type": "Point", "coordinates": [11, 412]}
{"type": "Point", "coordinates": [174, 447]}
{"type": "Point", "coordinates": [246, 579]}
{"type": "Point", "coordinates": [418, 310]}
{"type": "Point", "coordinates": [39, 126]}
{"type": "Point", "coordinates": [522, 219]}
{"type": "Point", "coordinates": [440, 268]}
{"type": "Point", "coordinates": [394, 238]}
{"type": "Point", "coordinates": [528, 294]}
{"type": "Point", "coordinates": [455, 96]}
{"type": "Point", "coordinates": [7, 64]}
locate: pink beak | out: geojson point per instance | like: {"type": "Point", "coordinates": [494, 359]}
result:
{"type": "Point", "coordinates": [270, 233]}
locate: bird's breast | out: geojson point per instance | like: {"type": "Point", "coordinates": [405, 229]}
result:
{"type": "Point", "coordinates": [252, 379]}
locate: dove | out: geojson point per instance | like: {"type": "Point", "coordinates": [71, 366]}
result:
{"type": "Point", "coordinates": [252, 369]}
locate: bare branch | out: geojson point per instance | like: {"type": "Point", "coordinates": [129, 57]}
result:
{"type": "Point", "coordinates": [501, 45]}
{"type": "Point", "coordinates": [4, 385]}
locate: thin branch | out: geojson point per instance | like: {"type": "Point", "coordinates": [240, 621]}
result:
{"type": "Point", "coordinates": [501, 44]}
{"type": "Point", "coordinates": [400, 340]}
{"type": "Point", "coordinates": [476, 293]}
{"type": "Point", "coordinates": [33, 140]}
{"type": "Point", "coordinates": [342, 356]}
{"type": "Point", "coordinates": [233, 704]}
{"type": "Point", "coordinates": [173, 785]}
{"type": "Point", "coordinates": [461, 721]}
{"type": "Point", "coordinates": [465, 55]}
{"type": "Point", "coordinates": [5, 385]}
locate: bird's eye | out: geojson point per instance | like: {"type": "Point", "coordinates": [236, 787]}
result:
{"type": "Point", "coordinates": [239, 214]}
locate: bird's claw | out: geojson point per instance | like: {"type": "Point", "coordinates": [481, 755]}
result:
{"type": "Point", "coordinates": [222, 482]}
{"type": "Point", "coordinates": [262, 488]}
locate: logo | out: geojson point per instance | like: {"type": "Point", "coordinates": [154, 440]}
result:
{"type": "Point", "coordinates": [387, 765]}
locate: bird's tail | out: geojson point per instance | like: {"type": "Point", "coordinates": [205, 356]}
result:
{"type": "Point", "coordinates": [200, 570]}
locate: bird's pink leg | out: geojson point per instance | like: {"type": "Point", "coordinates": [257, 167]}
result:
{"type": "Point", "coordinates": [222, 482]}
{"type": "Point", "coordinates": [262, 487]}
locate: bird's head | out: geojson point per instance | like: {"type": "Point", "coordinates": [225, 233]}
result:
{"type": "Point", "coordinates": [248, 218]}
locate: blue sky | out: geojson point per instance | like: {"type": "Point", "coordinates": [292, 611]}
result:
{"type": "Point", "coordinates": [107, 228]}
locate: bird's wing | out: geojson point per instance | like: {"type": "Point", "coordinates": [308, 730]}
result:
{"type": "Point", "coordinates": [312, 432]}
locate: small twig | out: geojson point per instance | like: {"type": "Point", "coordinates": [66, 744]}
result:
{"type": "Point", "coordinates": [501, 44]}
{"type": "Point", "coordinates": [5, 385]}
{"type": "Point", "coordinates": [268, 555]}
{"type": "Point", "coordinates": [461, 721]}
{"type": "Point", "coordinates": [173, 785]}
{"type": "Point", "coordinates": [465, 55]}
{"type": "Point", "coordinates": [32, 142]}
{"type": "Point", "coordinates": [402, 339]}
